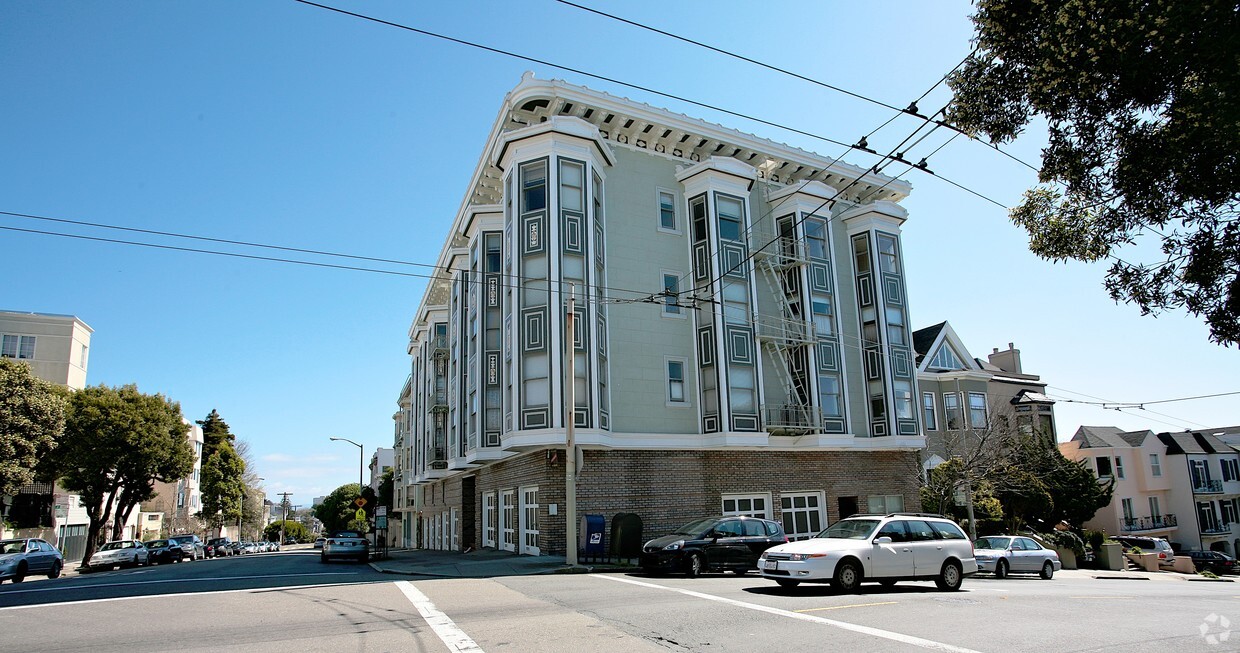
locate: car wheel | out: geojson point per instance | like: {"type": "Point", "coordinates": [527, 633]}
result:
{"type": "Point", "coordinates": [694, 565]}
{"type": "Point", "coordinates": [847, 576]}
{"type": "Point", "coordinates": [887, 582]}
{"type": "Point", "coordinates": [950, 577]}
{"type": "Point", "coordinates": [1001, 569]}
{"type": "Point", "coordinates": [1048, 570]}
{"type": "Point", "coordinates": [20, 574]}
{"type": "Point", "coordinates": [787, 582]}
{"type": "Point", "coordinates": [56, 567]}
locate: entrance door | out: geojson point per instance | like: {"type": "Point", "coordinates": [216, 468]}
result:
{"type": "Point", "coordinates": [529, 521]}
{"type": "Point", "coordinates": [507, 520]}
{"type": "Point", "coordinates": [847, 506]}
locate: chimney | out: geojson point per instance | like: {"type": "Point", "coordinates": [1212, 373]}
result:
{"type": "Point", "coordinates": [1008, 361]}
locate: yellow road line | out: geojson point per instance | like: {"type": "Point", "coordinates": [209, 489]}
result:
{"type": "Point", "coordinates": [841, 607]}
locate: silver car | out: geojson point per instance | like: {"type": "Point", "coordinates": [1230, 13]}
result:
{"type": "Point", "coordinates": [346, 544]}
{"type": "Point", "coordinates": [120, 553]}
{"type": "Point", "coordinates": [26, 557]}
{"type": "Point", "coordinates": [1012, 554]}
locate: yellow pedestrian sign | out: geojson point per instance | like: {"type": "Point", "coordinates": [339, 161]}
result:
{"type": "Point", "coordinates": [361, 515]}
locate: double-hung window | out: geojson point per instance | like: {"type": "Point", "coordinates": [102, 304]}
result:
{"type": "Point", "coordinates": [671, 294]}
{"type": "Point", "coordinates": [951, 410]}
{"type": "Point", "coordinates": [15, 346]}
{"type": "Point", "coordinates": [977, 410]}
{"type": "Point", "coordinates": [927, 411]}
{"type": "Point", "coordinates": [667, 210]}
{"type": "Point", "coordinates": [676, 381]}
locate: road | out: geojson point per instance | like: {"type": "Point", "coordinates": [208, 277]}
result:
{"type": "Point", "coordinates": [291, 602]}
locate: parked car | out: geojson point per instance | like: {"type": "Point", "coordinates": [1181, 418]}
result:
{"type": "Point", "coordinates": [119, 553]}
{"type": "Point", "coordinates": [23, 557]}
{"type": "Point", "coordinates": [1213, 561]}
{"type": "Point", "coordinates": [318, 542]}
{"type": "Point", "coordinates": [288, 541]}
{"type": "Point", "coordinates": [882, 548]}
{"type": "Point", "coordinates": [712, 544]}
{"type": "Point", "coordinates": [1166, 555]}
{"type": "Point", "coordinates": [345, 544]}
{"type": "Point", "coordinates": [191, 545]}
{"type": "Point", "coordinates": [218, 547]}
{"type": "Point", "coordinates": [249, 547]}
{"type": "Point", "coordinates": [1008, 554]}
{"type": "Point", "coordinates": [161, 551]}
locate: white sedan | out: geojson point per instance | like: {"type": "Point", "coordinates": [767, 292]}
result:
{"type": "Point", "coordinates": [120, 553]}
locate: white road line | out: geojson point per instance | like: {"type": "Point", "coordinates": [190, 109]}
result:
{"type": "Point", "coordinates": [63, 588]}
{"type": "Point", "coordinates": [865, 630]}
{"type": "Point", "coordinates": [453, 637]}
{"type": "Point", "coordinates": [253, 590]}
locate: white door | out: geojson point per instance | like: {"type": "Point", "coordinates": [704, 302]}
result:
{"type": "Point", "coordinates": [507, 521]}
{"type": "Point", "coordinates": [529, 521]}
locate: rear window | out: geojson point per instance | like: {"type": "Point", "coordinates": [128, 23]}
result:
{"type": "Point", "coordinates": [754, 528]}
{"type": "Point", "coordinates": [773, 529]}
{"type": "Point", "coordinates": [948, 530]}
{"type": "Point", "coordinates": [346, 534]}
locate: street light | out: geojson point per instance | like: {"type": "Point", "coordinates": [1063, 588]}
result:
{"type": "Point", "coordinates": [360, 453]}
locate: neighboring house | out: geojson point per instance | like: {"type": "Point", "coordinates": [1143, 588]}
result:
{"type": "Point", "coordinates": [381, 462]}
{"type": "Point", "coordinates": [1193, 476]}
{"type": "Point", "coordinates": [57, 348]}
{"type": "Point", "coordinates": [1137, 463]}
{"type": "Point", "coordinates": [963, 397]}
{"type": "Point", "coordinates": [180, 501]}
{"type": "Point", "coordinates": [741, 332]}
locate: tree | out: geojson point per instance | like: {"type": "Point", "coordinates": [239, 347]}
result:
{"type": "Point", "coordinates": [215, 432]}
{"type": "Point", "coordinates": [32, 417]}
{"type": "Point", "coordinates": [1140, 101]}
{"type": "Point", "coordinates": [221, 486]}
{"type": "Point", "coordinates": [293, 529]}
{"type": "Point", "coordinates": [338, 508]}
{"type": "Point", "coordinates": [252, 507]}
{"type": "Point", "coordinates": [117, 442]}
{"type": "Point", "coordinates": [387, 489]}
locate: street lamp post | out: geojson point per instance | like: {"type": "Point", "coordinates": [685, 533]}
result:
{"type": "Point", "coordinates": [360, 453]}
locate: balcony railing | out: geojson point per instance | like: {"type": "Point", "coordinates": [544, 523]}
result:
{"type": "Point", "coordinates": [1215, 529]}
{"type": "Point", "coordinates": [1208, 487]}
{"type": "Point", "coordinates": [771, 327]}
{"type": "Point", "coordinates": [790, 418]}
{"type": "Point", "coordinates": [1135, 524]}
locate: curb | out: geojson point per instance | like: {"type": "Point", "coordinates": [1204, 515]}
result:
{"type": "Point", "coordinates": [1119, 577]}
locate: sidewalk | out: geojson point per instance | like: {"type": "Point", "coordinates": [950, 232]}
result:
{"type": "Point", "coordinates": [485, 563]}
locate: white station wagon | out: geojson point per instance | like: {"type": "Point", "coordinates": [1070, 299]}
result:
{"type": "Point", "coordinates": [875, 548]}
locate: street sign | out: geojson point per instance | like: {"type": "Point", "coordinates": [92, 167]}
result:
{"type": "Point", "coordinates": [381, 521]}
{"type": "Point", "coordinates": [360, 502]}
{"type": "Point", "coordinates": [361, 514]}
{"type": "Point", "coordinates": [381, 511]}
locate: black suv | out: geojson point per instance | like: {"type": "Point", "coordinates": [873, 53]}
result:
{"type": "Point", "coordinates": [712, 544]}
{"type": "Point", "coordinates": [190, 544]}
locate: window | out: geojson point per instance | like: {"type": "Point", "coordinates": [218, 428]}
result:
{"type": "Point", "coordinates": [951, 410]}
{"type": "Point", "coordinates": [731, 218]}
{"type": "Point", "coordinates": [13, 346]}
{"type": "Point", "coordinates": [896, 334]}
{"type": "Point", "coordinates": [533, 187]}
{"type": "Point", "coordinates": [747, 505]}
{"type": "Point", "coordinates": [1231, 469]}
{"type": "Point", "coordinates": [829, 395]}
{"type": "Point", "coordinates": [945, 359]}
{"type": "Point", "coordinates": [671, 294]}
{"type": "Point", "coordinates": [883, 504]}
{"type": "Point", "coordinates": [927, 411]}
{"type": "Point", "coordinates": [903, 399]}
{"type": "Point", "coordinates": [676, 381]}
{"type": "Point", "coordinates": [1155, 510]}
{"type": "Point", "coordinates": [1155, 466]}
{"type": "Point", "coordinates": [802, 514]}
{"type": "Point", "coordinates": [822, 316]}
{"type": "Point", "coordinates": [888, 259]}
{"type": "Point", "coordinates": [815, 238]}
{"type": "Point", "coordinates": [1103, 463]}
{"type": "Point", "coordinates": [1126, 505]}
{"type": "Point", "coordinates": [977, 410]}
{"type": "Point", "coordinates": [667, 210]}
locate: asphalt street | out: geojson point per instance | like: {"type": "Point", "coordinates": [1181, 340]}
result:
{"type": "Point", "coordinates": [291, 602]}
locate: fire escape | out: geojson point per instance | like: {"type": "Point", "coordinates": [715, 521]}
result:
{"type": "Point", "coordinates": [787, 336]}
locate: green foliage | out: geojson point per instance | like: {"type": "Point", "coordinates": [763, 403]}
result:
{"type": "Point", "coordinates": [1066, 540]}
{"type": "Point", "coordinates": [221, 485]}
{"type": "Point", "coordinates": [1042, 488]}
{"type": "Point", "coordinates": [337, 508]}
{"type": "Point", "coordinates": [215, 432]}
{"type": "Point", "coordinates": [1207, 574]}
{"type": "Point", "coordinates": [1140, 101]}
{"type": "Point", "coordinates": [387, 489]}
{"type": "Point", "coordinates": [360, 525]}
{"type": "Point", "coordinates": [32, 417]}
{"type": "Point", "coordinates": [1095, 539]}
{"type": "Point", "coordinates": [293, 529]}
{"type": "Point", "coordinates": [117, 442]}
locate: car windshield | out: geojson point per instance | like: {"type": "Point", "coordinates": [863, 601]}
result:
{"type": "Point", "coordinates": [695, 527]}
{"type": "Point", "coordinates": [850, 529]}
{"type": "Point", "coordinates": [155, 544]}
{"type": "Point", "coordinates": [997, 543]}
{"type": "Point", "coordinates": [13, 546]}
{"type": "Point", "coordinates": [112, 546]}
{"type": "Point", "coordinates": [339, 534]}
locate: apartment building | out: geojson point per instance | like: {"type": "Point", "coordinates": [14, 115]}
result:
{"type": "Point", "coordinates": [966, 399]}
{"type": "Point", "coordinates": [1184, 487]}
{"type": "Point", "coordinates": [739, 332]}
{"type": "Point", "coordinates": [180, 501]}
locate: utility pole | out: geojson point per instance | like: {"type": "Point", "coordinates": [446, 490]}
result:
{"type": "Point", "coordinates": [570, 457]}
{"type": "Point", "coordinates": [284, 505]}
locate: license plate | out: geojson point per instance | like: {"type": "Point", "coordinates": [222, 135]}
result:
{"type": "Point", "coordinates": [772, 565]}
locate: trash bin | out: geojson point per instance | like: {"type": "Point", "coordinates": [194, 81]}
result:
{"type": "Point", "coordinates": [592, 531]}
{"type": "Point", "coordinates": [626, 535]}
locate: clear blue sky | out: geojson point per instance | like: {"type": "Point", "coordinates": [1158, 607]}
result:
{"type": "Point", "coordinates": [279, 123]}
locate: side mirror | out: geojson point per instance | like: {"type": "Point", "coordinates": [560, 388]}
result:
{"type": "Point", "coordinates": [882, 540]}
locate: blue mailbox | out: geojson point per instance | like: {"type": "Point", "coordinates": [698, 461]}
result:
{"type": "Point", "coordinates": [593, 535]}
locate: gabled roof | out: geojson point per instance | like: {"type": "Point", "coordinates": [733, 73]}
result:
{"type": "Point", "coordinates": [928, 341]}
{"type": "Point", "coordinates": [1195, 442]}
{"type": "Point", "coordinates": [1100, 437]}
{"type": "Point", "coordinates": [924, 339]}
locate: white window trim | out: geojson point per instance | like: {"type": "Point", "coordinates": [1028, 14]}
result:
{"type": "Point", "coordinates": [687, 402]}
{"type": "Point", "coordinates": [524, 528]}
{"type": "Point", "coordinates": [508, 532]}
{"type": "Point", "coordinates": [684, 312]}
{"type": "Point", "coordinates": [658, 211]}
{"type": "Point", "coordinates": [490, 530]}
{"type": "Point", "coordinates": [821, 509]}
{"type": "Point", "coordinates": [934, 408]}
{"type": "Point", "coordinates": [767, 513]}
